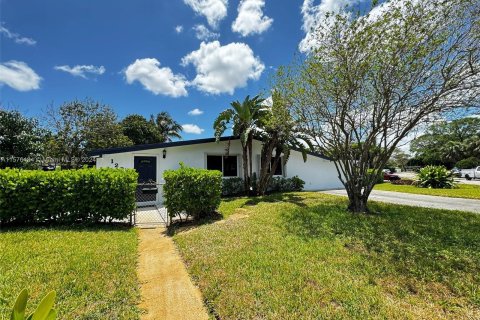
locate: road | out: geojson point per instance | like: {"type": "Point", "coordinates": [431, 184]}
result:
{"type": "Point", "coordinates": [418, 200]}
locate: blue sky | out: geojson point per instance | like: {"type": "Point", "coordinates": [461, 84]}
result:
{"type": "Point", "coordinates": [145, 56]}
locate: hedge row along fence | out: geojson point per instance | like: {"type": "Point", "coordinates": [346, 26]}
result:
{"type": "Point", "coordinates": [191, 191]}
{"type": "Point", "coordinates": [67, 196]}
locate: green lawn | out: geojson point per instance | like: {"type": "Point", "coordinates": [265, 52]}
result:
{"type": "Point", "coordinates": [93, 270]}
{"type": "Point", "coordinates": [462, 191]}
{"type": "Point", "coordinates": [302, 256]}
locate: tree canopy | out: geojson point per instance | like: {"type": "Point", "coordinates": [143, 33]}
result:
{"type": "Point", "coordinates": [448, 142]}
{"type": "Point", "coordinates": [370, 80]}
{"type": "Point", "coordinates": [21, 139]}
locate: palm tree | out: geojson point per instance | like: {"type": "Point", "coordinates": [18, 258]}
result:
{"type": "Point", "coordinates": [279, 136]}
{"type": "Point", "coordinates": [244, 118]}
{"type": "Point", "coordinates": [167, 127]}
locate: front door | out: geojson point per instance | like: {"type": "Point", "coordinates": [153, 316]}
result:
{"type": "Point", "coordinates": [147, 177]}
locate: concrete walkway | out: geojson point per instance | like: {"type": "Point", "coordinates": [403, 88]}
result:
{"type": "Point", "coordinates": [418, 200]}
{"type": "Point", "coordinates": [166, 288]}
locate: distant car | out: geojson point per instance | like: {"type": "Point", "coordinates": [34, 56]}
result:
{"type": "Point", "coordinates": [390, 176]}
{"type": "Point", "coordinates": [456, 172]}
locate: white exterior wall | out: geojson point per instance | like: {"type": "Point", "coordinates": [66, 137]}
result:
{"type": "Point", "coordinates": [318, 174]}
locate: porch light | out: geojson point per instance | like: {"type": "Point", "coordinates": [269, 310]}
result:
{"type": "Point", "coordinates": [164, 153]}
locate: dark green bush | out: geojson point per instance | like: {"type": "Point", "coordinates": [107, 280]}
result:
{"type": "Point", "coordinates": [66, 196]}
{"type": "Point", "coordinates": [436, 177]}
{"type": "Point", "coordinates": [191, 191]}
{"type": "Point", "coordinates": [379, 175]}
{"type": "Point", "coordinates": [468, 163]}
{"type": "Point", "coordinates": [281, 184]}
{"type": "Point", "coordinates": [232, 186]}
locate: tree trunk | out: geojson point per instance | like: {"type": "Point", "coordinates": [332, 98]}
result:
{"type": "Point", "coordinates": [357, 204]}
{"type": "Point", "coordinates": [250, 161]}
{"type": "Point", "coordinates": [357, 198]}
{"type": "Point", "coordinates": [265, 160]}
{"type": "Point", "coordinates": [246, 180]}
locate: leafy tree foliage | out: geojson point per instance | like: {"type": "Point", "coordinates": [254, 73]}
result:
{"type": "Point", "coordinates": [279, 135]}
{"type": "Point", "coordinates": [160, 128]}
{"type": "Point", "coordinates": [139, 130]}
{"type": "Point", "coordinates": [399, 158]}
{"type": "Point", "coordinates": [21, 140]}
{"type": "Point", "coordinates": [446, 143]}
{"type": "Point", "coordinates": [80, 126]}
{"type": "Point", "coordinates": [370, 80]}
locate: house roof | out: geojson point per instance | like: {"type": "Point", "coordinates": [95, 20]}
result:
{"type": "Point", "coordinates": [162, 145]}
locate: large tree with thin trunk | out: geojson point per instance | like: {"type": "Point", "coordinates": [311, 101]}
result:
{"type": "Point", "coordinates": [244, 119]}
{"type": "Point", "coordinates": [370, 80]}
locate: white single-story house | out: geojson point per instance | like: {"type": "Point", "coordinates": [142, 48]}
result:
{"type": "Point", "coordinates": [151, 160]}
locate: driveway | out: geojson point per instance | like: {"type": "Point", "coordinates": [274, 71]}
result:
{"type": "Point", "coordinates": [418, 200]}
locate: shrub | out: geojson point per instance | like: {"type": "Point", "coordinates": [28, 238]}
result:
{"type": "Point", "coordinates": [437, 177]}
{"type": "Point", "coordinates": [66, 196]}
{"type": "Point", "coordinates": [379, 174]}
{"type": "Point", "coordinates": [281, 184]}
{"type": "Point", "coordinates": [403, 182]}
{"type": "Point", "coordinates": [195, 192]}
{"type": "Point", "coordinates": [468, 163]}
{"type": "Point", "coordinates": [232, 186]}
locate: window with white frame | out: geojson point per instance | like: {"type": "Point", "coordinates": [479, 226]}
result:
{"type": "Point", "coordinates": [226, 164]}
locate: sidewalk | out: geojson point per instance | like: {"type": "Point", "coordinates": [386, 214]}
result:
{"type": "Point", "coordinates": [167, 291]}
{"type": "Point", "coordinates": [419, 200]}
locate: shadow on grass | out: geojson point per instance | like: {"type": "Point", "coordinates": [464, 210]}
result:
{"type": "Point", "coordinates": [235, 203]}
{"type": "Point", "coordinates": [87, 227]}
{"type": "Point", "coordinates": [187, 225]}
{"type": "Point", "coordinates": [429, 244]}
{"type": "Point", "coordinates": [293, 198]}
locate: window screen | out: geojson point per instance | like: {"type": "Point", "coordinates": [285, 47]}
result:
{"type": "Point", "coordinates": [214, 163]}
{"type": "Point", "coordinates": [230, 166]}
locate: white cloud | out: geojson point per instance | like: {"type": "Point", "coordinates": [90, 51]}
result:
{"type": "Point", "coordinates": [81, 70]}
{"type": "Point", "coordinates": [16, 37]}
{"type": "Point", "coordinates": [192, 128]}
{"type": "Point", "coordinates": [213, 10]}
{"type": "Point", "coordinates": [221, 69]}
{"type": "Point", "coordinates": [155, 79]}
{"type": "Point", "coordinates": [313, 15]}
{"type": "Point", "coordinates": [195, 112]}
{"type": "Point", "coordinates": [203, 33]}
{"type": "Point", "coordinates": [179, 29]}
{"type": "Point", "coordinates": [19, 76]}
{"type": "Point", "coordinates": [250, 19]}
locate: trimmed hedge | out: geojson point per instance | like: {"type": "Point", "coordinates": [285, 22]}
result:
{"type": "Point", "coordinates": [281, 184]}
{"type": "Point", "coordinates": [66, 196]}
{"type": "Point", "coordinates": [232, 187]}
{"type": "Point", "coordinates": [192, 191]}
